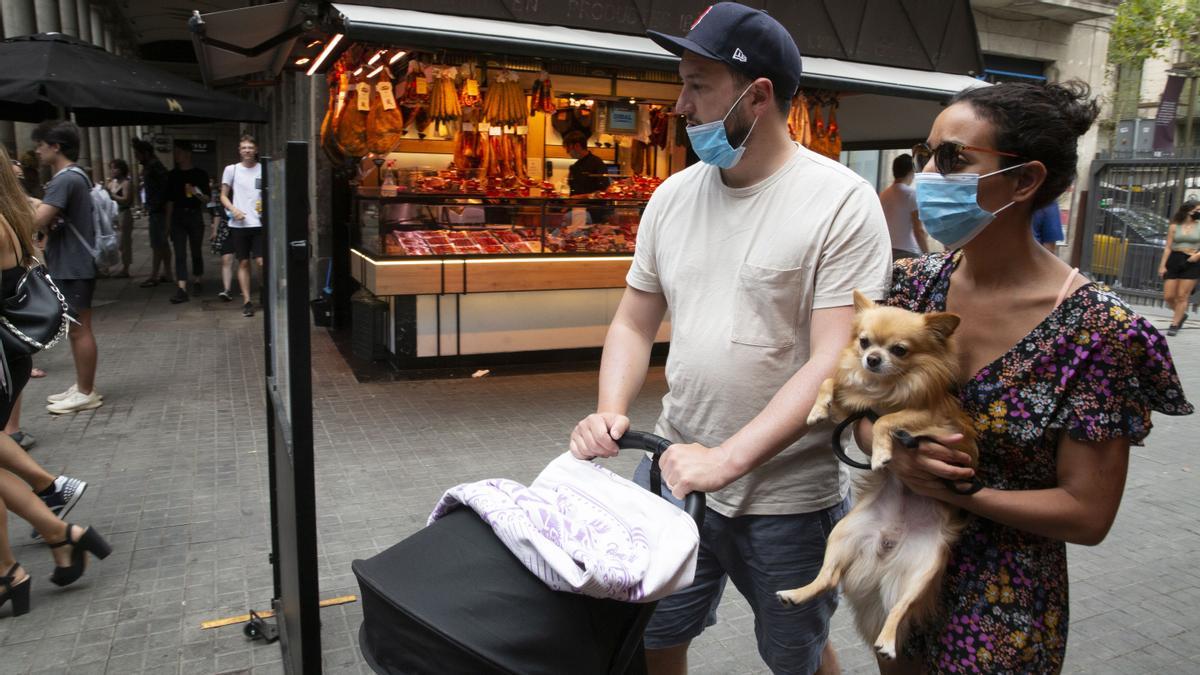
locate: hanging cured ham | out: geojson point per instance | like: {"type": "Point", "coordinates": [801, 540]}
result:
{"type": "Point", "coordinates": [352, 124]}
{"type": "Point", "coordinates": [339, 88]}
{"type": "Point", "coordinates": [385, 125]}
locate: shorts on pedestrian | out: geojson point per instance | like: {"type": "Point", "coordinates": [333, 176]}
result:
{"type": "Point", "coordinates": [158, 230]}
{"type": "Point", "coordinates": [247, 242]}
{"type": "Point", "coordinates": [78, 292]}
{"type": "Point", "coordinates": [762, 555]}
{"type": "Point", "coordinates": [1178, 267]}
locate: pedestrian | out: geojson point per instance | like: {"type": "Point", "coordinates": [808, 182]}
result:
{"type": "Point", "coordinates": [154, 197]}
{"type": "Point", "coordinates": [13, 426]}
{"type": "Point", "coordinates": [1058, 373]}
{"type": "Point", "coordinates": [186, 199]}
{"type": "Point", "coordinates": [1047, 226]}
{"type": "Point", "coordinates": [65, 215]}
{"type": "Point", "coordinates": [241, 195]}
{"type": "Point", "coordinates": [222, 242]}
{"type": "Point", "coordinates": [900, 208]}
{"type": "Point", "coordinates": [1180, 266]}
{"type": "Point", "coordinates": [756, 252]}
{"type": "Point", "coordinates": [59, 494]}
{"type": "Point", "coordinates": [120, 187]}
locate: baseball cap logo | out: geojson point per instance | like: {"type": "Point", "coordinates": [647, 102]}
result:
{"type": "Point", "coordinates": [739, 55]}
{"type": "Point", "coordinates": [701, 17]}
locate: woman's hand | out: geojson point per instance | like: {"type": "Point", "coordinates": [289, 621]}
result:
{"type": "Point", "coordinates": [925, 468]}
{"type": "Point", "coordinates": [1162, 271]}
{"type": "Point", "coordinates": [1195, 257]}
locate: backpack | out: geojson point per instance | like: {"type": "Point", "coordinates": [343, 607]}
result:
{"type": "Point", "coordinates": [105, 249]}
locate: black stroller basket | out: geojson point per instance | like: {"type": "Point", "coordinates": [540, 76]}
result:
{"type": "Point", "coordinates": [453, 599]}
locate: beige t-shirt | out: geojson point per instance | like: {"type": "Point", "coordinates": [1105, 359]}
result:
{"type": "Point", "coordinates": [742, 269]}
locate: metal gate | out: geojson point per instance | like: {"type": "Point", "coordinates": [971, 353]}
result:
{"type": "Point", "coordinates": [1129, 205]}
{"type": "Point", "coordinates": [289, 411]}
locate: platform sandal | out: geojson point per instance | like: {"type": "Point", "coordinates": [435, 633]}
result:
{"type": "Point", "coordinates": [19, 594]}
{"type": "Point", "coordinates": [89, 542]}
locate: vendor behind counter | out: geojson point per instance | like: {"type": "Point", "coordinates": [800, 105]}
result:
{"type": "Point", "coordinates": [589, 173]}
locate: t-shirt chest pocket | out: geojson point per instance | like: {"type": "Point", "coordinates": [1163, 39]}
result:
{"type": "Point", "coordinates": [766, 309]}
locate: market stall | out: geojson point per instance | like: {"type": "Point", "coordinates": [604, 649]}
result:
{"type": "Point", "coordinates": [463, 230]}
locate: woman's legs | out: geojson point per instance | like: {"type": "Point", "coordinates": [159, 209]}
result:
{"type": "Point", "coordinates": [17, 461]}
{"type": "Point", "coordinates": [1183, 293]}
{"type": "Point", "coordinates": [18, 498]}
{"type": "Point", "coordinates": [227, 272]}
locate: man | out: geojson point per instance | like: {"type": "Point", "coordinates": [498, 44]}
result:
{"type": "Point", "coordinates": [899, 202]}
{"type": "Point", "coordinates": [65, 215]}
{"type": "Point", "coordinates": [589, 173]}
{"type": "Point", "coordinates": [154, 186]}
{"type": "Point", "coordinates": [1047, 226]}
{"type": "Point", "coordinates": [187, 194]}
{"type": "Point", "coordinates": [241, 193]}
{"type": "Point", "coordinates": [756, 252]}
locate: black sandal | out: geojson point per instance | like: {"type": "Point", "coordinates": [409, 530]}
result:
{"type": "Point", "coordinates": [19, 594]}
{"type": "Point", "coordinates": [89, 542]}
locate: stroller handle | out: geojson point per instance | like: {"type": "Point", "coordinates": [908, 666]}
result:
{"type": "Point", "coordinates": [657, 445]}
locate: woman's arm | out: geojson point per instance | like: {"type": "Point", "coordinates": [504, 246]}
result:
{"type": "Point", "coordinates": [1162, 265]}
{"type": "Point", "coordinates": [1079, 510]}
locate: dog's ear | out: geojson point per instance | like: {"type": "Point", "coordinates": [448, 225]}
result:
{"type": "Point", "coordinates": [942, 323]}
{"type": "Point", "coordinates": [861, 302]}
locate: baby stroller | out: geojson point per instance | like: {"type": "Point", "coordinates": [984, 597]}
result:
{"type": "Point", "coordinates": [453, 599]}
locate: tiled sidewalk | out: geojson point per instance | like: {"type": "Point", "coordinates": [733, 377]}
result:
{"type": "Point", "coordinates": [177, 482]}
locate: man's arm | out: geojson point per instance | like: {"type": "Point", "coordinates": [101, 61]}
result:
{"type": "Point", "coordinates": [919, 232]}
{"type": "Point", "coordinates": [44, 216]}
{"type": "Point", "coordinates": [623, 367]}
{"type": "Point", "coordinates": [689, 468]}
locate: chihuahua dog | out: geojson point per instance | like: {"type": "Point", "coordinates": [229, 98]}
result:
{"type": "Point", "coordinates": [890, 550]}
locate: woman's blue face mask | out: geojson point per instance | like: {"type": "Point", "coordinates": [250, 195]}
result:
{"type": "Point", "coordinates": [711, 143]}
{"type": "Point", "coordinates": [948, 205]}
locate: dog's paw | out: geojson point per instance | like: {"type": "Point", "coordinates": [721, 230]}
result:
{"type": "Point", "coordinates": [880, 460]}
{"type": "Point", "coordinates": [815, 417]}
{"type": "Point", "coordinates": [886, 650]}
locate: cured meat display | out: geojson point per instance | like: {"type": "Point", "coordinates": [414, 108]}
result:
{"type": "Point", "coordinates": [541, 99]}
{"type": "Point", "coordinates": [339, 89]}
{"type": "Point", "coordinates": [385, 125]}
{"type": "Point", "coordinates": [504, 104]}
{"type": "Point", "coordinates": [813, 122]}
{"type": "Point", "coordinates": [352, 123]}
{"type": "Point", "coordinates": [444, 104]}
{"type": "Point", "coordinates": [503, 239]}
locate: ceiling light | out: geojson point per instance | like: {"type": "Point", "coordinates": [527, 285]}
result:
{"type": "Point", "coordinates": [302, 60]}
{"type": "Point", "coordinates": [312, 44]}
{"type": "Point", "coordinates": [397, 56]}
{"type": "Point", "coordinates": [375, 72]}
{"type": "Point", "coordinates": [325, 53]}
{"type": "Point", "coordinates": [378, 55]}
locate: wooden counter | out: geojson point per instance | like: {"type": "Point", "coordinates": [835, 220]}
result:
{"type": "Point", "coordinates": [445, 275]}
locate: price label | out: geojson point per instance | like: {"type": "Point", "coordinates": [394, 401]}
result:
{"type": "Point", "coordinates": [385, 95]}
{"type": "Point", "coordinates": [364, 96]}
{"type": "Point", "coordinates": [472, 87]}
{"type": "Point", "coordinates": [522, 130]}
{"type": "Point", "coordinates": [509, 130]}
{"type": "Point", "coordinates": [484, 127]}
{"type": "Point", "coordinates": [422, 86]}
{"type": "Point", "coordinates": [467, 126]}
{"type": "Point", "coordinates": [494, 131]}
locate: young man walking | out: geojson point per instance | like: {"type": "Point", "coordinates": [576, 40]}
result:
{"type": "Point", "coordinates": [899, 202]}
{"type": "Point", "coordinates": [187, 194]}
{"type": "Point", "coordinates": [65, 215]}
{"type": "Point", "coordinates": [241, 195]}
{"type": "Point", "coordinates": [756, 252]}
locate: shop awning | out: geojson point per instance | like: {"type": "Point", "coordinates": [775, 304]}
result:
{"type": "Point", "coordinates": [242, 41]}
{"type": "Point", "coordinates": [426, 30]}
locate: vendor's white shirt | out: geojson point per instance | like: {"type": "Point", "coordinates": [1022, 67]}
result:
{"type": "Point", "coordinates": [742, 270]}
{"type": "Point", "coordinates": [246, 194]}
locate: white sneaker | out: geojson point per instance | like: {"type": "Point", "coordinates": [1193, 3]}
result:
{"type": "Point", "coordinates": [76, 402]}
{"type": "Point", "coordinates": [55, 398]}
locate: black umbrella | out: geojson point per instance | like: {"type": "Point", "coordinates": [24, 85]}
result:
{"type": "Point", "coordinates": [45, 73]}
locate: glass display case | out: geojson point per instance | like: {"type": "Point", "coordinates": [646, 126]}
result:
{"type": "Point", "coordinates": [470, 225]}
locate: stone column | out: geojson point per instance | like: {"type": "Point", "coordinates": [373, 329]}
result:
{"type": "Point", "coordinates": [87, 155]}
{"type": "Point", "coordinates": [97, 149]}
{"type": "Point", "coordinates": [83, 14]}
{"type": "Point", "coordinates": [68, 16]}
{"type": "Point", "coordinates": [97, 25]}
{"type": "Point", "coordinates": [47, 16]}
{"type": "Point", "coordinates": [18, 18]}
{"type": "Point", "coordinates": [107, 41]}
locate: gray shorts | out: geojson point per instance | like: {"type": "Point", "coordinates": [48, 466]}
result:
{"type": "Point", "coordinates": [78, 292]}
{"type": "Point", "coordinates": [762, 555]}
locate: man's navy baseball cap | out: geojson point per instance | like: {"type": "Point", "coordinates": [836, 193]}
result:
{"type": "Point", "coordinates": [747, 39]}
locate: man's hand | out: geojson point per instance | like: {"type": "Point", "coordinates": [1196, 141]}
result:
{"type": "Point", "coordinates": [595, 435]}
{"type": "Point", "coordinates": [695, 468]}
{"type": "Point", "coordinates": [238, 214]}
{"type": "Point", "coordinates": [924, 468]}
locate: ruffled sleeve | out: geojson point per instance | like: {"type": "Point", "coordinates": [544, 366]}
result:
{"type": "Point", "coordinates": [1114, 368]}
{"type": "Point", "coordinates": [917, 282]}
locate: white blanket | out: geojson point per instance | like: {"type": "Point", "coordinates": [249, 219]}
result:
{"type": "Point", "coordinates": [580, 527]}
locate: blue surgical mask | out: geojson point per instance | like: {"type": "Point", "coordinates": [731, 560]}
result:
{"type": "Point", "coordinates": [948, 205]}
{"type": "Point", "coordinates": [711, 144]}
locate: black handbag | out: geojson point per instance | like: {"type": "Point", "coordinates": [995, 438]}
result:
{"type": "Point", "coordinates": [35, 316]}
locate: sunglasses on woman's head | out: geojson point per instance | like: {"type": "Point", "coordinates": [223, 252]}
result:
{"type": "Point", "coordinates": [947, 157]}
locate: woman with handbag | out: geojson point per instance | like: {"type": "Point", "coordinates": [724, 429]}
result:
{"type": "Point", "coordinates": [17, 318]}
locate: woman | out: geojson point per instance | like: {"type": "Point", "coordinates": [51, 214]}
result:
{"type": "Point", "coordinates": [72, 542]}
{"type": "Point", "coordinates": [1180, 267]}
{"type": "Point", "coordinates": [1059, 375]}
{"type": "Point", "coordinates": [121, 188]}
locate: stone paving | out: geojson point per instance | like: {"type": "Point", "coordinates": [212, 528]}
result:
{"type": "Point", "coordinates": [176, 466]}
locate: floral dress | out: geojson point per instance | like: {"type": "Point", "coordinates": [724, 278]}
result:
{"type": "Point", "coordinates": [1093, 368]}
